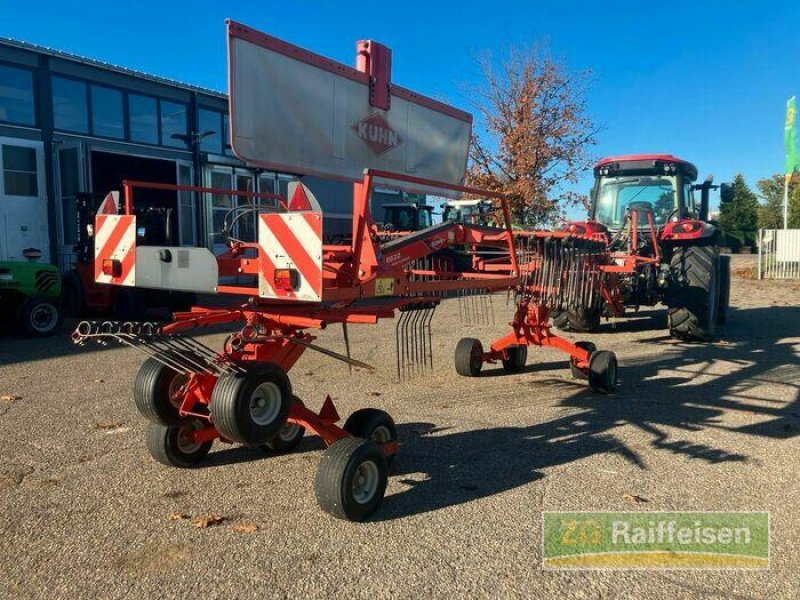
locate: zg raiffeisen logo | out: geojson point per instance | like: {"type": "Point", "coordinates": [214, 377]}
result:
{"type": "Point", "coordinates": [654, 540]}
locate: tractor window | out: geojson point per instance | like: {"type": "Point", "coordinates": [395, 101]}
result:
{"type": "Point", "coordinates": [619, 194]}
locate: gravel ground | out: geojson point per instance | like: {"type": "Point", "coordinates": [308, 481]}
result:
{"type": "Point", "coordinates": [84, 510]}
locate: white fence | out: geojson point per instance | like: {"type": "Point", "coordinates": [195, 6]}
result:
{"type": "Point", "coordinates": [779, 254]}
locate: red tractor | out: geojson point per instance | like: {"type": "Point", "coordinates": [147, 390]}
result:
{"type": "Point", "coordinates": [662, 247]}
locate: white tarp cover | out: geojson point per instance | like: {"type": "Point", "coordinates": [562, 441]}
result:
{"type": "Point", "coordinates": [292, 115]}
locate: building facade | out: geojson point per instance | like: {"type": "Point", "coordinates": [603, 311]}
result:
{"type": "Point", "coordinates": [69, 124]}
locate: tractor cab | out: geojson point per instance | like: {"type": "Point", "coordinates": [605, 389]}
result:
{"type": "Point", "coordinates": [475, 212]}
{"type": "Point", "coordinates": [406, 216]}
{"type": "Point", "coordinates": [657, 188]}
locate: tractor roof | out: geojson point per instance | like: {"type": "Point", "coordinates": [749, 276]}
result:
{"type": "Point", "coordinates": [649, 160]}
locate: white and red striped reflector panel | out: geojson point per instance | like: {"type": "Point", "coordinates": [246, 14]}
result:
{"type": "Point", "coordinates": [291, 241]}
{"type": "Point", "coordinates": [115, 239]}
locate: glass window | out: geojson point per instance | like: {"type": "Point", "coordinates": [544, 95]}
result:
{"type": "Point", "coordinates": [143, 119]}
{"type": "Point", "coordinates": [107, 119]}
{"type": "Point", "coordinates": [20, 177]}
{"type": "Point", "coordinates": [619, 194]}
{"type": "Point", "coordinates": [16, 96]}
{"type": "Point", "coordinates": [173, 124]}
{"type": "Point", "coordinates": [246, 221]}
{"type": "Point", "coordinates": [210, 130]}
{"type": "Point", "coordinates": [70, 105]}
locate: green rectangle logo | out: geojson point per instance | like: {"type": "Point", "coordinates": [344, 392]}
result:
{"type": "Point", "coordinates": [655, 540]}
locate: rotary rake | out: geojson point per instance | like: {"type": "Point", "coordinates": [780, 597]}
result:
{"type": "Point", "coordinates": [287, 283]}
{"type": "Point", "coordinates": [558, 271]}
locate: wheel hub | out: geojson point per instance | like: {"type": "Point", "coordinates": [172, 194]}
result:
{"type": "Point", "coordinates": [365, 482]}
{"type": "Point", "coordinates": [265, 404]}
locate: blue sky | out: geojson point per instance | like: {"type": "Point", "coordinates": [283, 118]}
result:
{"type": "Point", "coordinates": [706, 80]}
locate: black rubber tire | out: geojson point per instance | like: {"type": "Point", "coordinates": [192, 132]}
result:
{"type": "Point", "coordinates": [693, 296]}
{"type": "Point", "coordinates": [230, 405]}
{"type": "Point", "coordinates": [287, 438]}
{"type": "Point", "coordinates": [603, 372]}
{"type": "Point", "coordinates": [468, 357]}
{"type": "Point", "coordinates": [333, 484]}
{"type": "Point", "coordinates": [517, 357]}
{"type": "Point", "coordinates": [580, 373]}
{"type": "Point", "coordinates": [73, 301]}
{"type": "Point", "coordinates": [164, 445]}
{"type": "Point", "coordinates": [724, 289]}
{"type": "Point", "coordinates": [582, 320]}
{"type": "Point", "coordinates": [153, 388]}
{"type": "Point", "coordinates": [32, 310]}
{"type": "Point", "coordinates": [373, 424]}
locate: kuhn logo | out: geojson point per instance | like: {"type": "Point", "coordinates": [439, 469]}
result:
{"type": "Point", "coordinates": [377, 134]}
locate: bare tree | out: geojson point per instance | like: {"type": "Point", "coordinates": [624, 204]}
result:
{"type": "Point", "coordinates": [536, 133]}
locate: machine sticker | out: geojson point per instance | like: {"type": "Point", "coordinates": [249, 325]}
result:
{"type": "Point", "coordinates": [384, 286]}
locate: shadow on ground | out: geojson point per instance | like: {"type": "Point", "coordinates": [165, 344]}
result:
{"type": "Point", "coordinates": [452, 468]}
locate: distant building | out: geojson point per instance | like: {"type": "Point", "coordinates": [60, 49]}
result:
{"type": "Point", "coordinates": [70, 124]}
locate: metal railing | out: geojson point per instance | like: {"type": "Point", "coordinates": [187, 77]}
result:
{"type": "Point", "coordinates": [779, 254]}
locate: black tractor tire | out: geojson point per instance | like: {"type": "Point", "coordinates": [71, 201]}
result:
{"type": "Point", "coordinates": [517, 357]}
{"type": "Point", "coordinates": [603, 372]}
{"type": "Point", "coordinates": [351, 479]}
{"type": "Point", "coordinates": [581, 320]}
{"type": "Point", "coordinates": [73, 300]}
{"type": "Point", "coordinates": [724, 289]}
{"type": "Point", "coordinates": [169, 446]}
{"type": "Point", "coordinates": [251, 407]}
{"type": "Point", "coordinates": [373, 424]}
{"type": "Point", "coordinates": [154, 390]}
{"type": "Point", "coordinates": [693, 296]}
{"type": "Point", "coordinates": [577, 373]}
{"type": "Point", "coordinates": [469, 357]}
{"type": "Point", "coordinates": [38, 316]}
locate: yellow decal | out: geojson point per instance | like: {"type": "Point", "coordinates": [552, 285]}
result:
{"type": "Point", "coordinates": [384, 286]}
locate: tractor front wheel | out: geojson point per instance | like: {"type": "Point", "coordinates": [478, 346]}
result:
{"type": "Point", "coordinates": [581, 320]}
{"type": "Point", "coordinates": [694, 296]}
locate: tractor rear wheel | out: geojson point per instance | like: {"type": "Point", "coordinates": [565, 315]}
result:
{"type": "Point", "coordinates": [251, 407]}
{"type": "Point", "coordinates": [724, 289]}
{"type": "Point", "coordinates": [517, 357]}
{"type": "Point", "coordinates": [694, 296]}
{"type": "Point", "coordinates": [581, 320]}
{"type": "Point", "coordinates": [469, 357]}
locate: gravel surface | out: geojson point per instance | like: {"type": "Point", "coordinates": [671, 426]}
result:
{"type": "Point", "coordinates": [85, 512]}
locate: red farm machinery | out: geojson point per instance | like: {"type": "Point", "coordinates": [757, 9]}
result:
{"type": "Point", "coordinates": [295, 111]}
{"type": "Point", "coordinates": [662, 246]}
